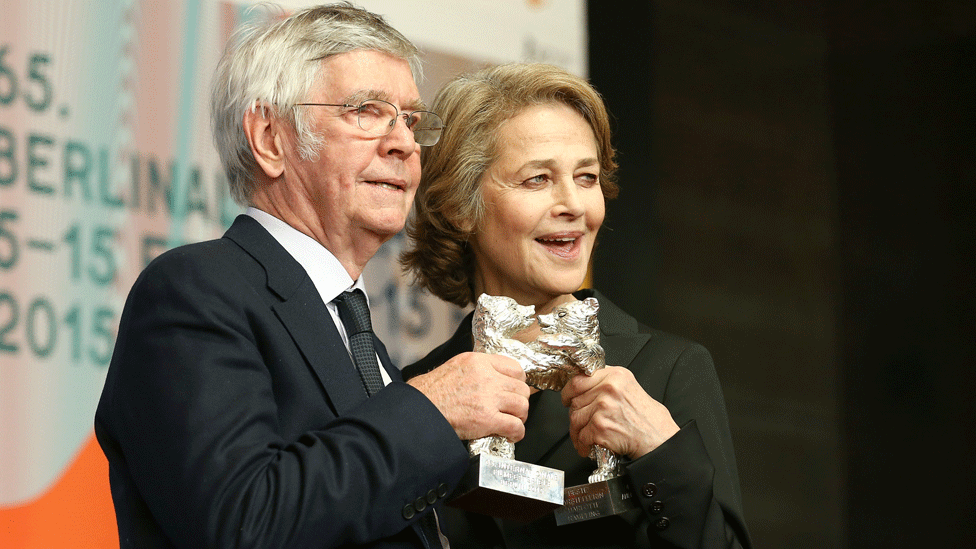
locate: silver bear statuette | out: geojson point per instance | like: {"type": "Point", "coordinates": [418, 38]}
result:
{"type": "Point", "coordinates": [569, 346]}
{"type": "Point", "coordinates": [570, 343]}
{"type": "Point", "coordinates": [571, 334]}
{"type": "Point", "coordinates": [496, 321]}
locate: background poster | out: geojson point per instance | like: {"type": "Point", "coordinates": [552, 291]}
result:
{"type": "Point", "coordinates": [106, 160]}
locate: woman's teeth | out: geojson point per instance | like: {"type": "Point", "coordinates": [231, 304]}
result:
{"type": "Point", "coordinates": [556, 239]}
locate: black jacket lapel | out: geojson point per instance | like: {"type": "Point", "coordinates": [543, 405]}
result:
{"type": "Point", "coordinates": [303, 314]}
{"type": "Point", "coordinates": [619, 334]}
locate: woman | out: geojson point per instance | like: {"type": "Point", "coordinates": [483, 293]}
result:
{"type": "Point", "coordinates": [510, 203]}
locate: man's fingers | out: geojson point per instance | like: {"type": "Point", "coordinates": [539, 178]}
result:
{"type": "Point", "coordinates": [514, 404]}
{"type": "Point", "coordinates": [509, 426]}
{"type": "Point", "coordinates": [479, 394]}
{"type": "Point", "coordinates": [506, 366]}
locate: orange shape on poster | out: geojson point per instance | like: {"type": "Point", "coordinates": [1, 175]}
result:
{"type": "Point", "coordinates": [75, 513]}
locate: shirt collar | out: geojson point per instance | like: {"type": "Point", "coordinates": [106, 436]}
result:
{"type": "Point", "coordinates": [325, 270]}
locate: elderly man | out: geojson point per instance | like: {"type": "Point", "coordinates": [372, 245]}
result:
{"type": "Point", "coordinates": [248, 403]}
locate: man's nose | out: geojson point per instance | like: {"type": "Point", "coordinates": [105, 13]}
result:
{"type": "Point", "coordinates": [400, 140]}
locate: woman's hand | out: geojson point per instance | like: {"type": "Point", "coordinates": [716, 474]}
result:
{"type": "Point", "coordinates": [611, 409]}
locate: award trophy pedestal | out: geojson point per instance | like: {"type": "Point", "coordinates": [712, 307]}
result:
{"type": "Point", "coordinates": [596, 500]}
{"type": "Point", "coordinates": [509, 489]}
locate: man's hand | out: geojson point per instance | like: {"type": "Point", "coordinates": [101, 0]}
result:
{"type": "Point", "coordinates": [611, 409]}
{"type": "Point", "coordinates": [479, 394]}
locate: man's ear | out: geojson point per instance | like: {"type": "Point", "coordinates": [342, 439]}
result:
{"type": "Point", "coordinates": [264, 135]}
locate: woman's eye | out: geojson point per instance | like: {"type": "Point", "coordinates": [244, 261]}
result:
{"type": "Point", "coordinates": [536, 180]}
{"type": "Point", "coordinates": [588, 179]}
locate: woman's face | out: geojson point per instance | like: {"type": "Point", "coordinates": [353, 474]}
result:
{"type": "Point", "coordinates": [544, 207]}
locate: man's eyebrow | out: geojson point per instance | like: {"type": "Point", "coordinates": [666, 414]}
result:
{"type": "Point", "coordinates": [362, 95]}
{"type": "Point", "coordinates": [415, 105]}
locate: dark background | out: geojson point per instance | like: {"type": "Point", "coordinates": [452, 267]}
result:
{"type": "Point", "coordinates": [798, 195]}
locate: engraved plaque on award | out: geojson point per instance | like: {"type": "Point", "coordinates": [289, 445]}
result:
{"type": "Point", "coordinates": [595, 500]}
{"type": "Point", "coordinates": [571, 344]}
{"type": "Point", "coordinates": [495, 483]}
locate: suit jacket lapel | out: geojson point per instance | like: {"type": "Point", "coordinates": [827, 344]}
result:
{"type": "Point", "coordinates": [303, 314]}
{"type": "Point", "coordinates": [315, 334]}
{"type": "Point", "coordinates": [619, 333]}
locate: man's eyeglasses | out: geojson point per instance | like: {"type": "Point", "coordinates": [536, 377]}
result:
{"type": "Point", "coordinates": [378, 117]}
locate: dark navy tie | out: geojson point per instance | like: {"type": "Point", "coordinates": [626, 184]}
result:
{"type": "Point", "coordinates": [354, 314]}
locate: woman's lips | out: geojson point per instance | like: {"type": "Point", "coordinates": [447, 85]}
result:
{"type": "Point", "coordinates": [565, 246]}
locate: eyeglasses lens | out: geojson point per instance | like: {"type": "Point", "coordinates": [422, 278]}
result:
{"type": "Point", "coordinates": [378, 117]}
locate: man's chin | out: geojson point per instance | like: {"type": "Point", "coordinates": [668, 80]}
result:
{"type": "Point", "coordinates": [387, 229]}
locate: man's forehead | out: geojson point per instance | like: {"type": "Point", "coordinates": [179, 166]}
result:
{"type": "Point", "coordinates": [367, 74]}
